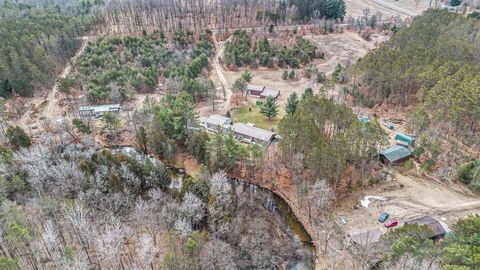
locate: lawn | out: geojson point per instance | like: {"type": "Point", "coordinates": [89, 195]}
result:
{"type": "Point", "coordinates": [243, 115]}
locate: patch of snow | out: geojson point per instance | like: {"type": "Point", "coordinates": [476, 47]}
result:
{"type": "Point", "coordinates": [366, 200]}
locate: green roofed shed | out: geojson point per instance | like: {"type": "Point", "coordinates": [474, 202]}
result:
{"type": "Point", "coordinates": [395, 154]}
{"type": "Point", "coordinates": [404, 138]}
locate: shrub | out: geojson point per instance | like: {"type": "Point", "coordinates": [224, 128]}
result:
{"type": "Point", "coordinates": [17, 137]}
{"type": "Point", "coordinates": [408, 165]}
{"type": "Point", "coordinates": [427, 165]}
{"type": "Point", "coordinates": [470, 172]}
{"type": "Point", "coordinates": [80, 125]}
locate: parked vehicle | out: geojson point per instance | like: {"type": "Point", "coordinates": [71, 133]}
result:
{"type": "Point", "coordinates": [390, 224]}
{"type": "Point", "coordinates": [383, 217]}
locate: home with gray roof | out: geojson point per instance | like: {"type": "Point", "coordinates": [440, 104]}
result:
{"type": "Point", "coordinates": [216, 122]}
{"type": "Point", "coordinates": [250, 134]}
{"type": "Point", "coordinates": [86, 112]}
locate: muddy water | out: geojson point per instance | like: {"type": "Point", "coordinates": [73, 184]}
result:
{"type": "Point", "coordinates": [305, 251]}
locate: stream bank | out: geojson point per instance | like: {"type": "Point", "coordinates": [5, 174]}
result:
{"type": "Point", "coordinates": [305, 253]}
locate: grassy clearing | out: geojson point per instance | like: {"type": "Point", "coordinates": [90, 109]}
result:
{"type": "Point", "coordinates": [243, 115]}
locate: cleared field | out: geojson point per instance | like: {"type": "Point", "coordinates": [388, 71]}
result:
{"type": "Point", "coordinates": [243, 115]}
{"type": "Point", "coordinates": [345, 48]}
{"type": "Point", "coordinates": [355, 7]}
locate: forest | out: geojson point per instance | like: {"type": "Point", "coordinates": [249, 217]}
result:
{"type": "Point", "coordinates": [36, 43]}
{"type": "Point", "coordinates": [435, 62]}
{"type": "Point", "coordinates": [78, 206]}
{"type": "Point", "coordinates": [432, 66]}
{"type": "Point", "coordinates": [115, 69]}
{"type": "Point", "coordinates": [241, 52]}
{"type": "Point", "coordinates": [326, 138]}
{"type": "Point", "coordinates": [132, 16]}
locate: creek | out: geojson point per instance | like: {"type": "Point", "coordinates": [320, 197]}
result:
{"type": "Point", "coordinates": [305, 252]}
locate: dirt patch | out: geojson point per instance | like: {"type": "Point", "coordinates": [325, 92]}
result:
{"type": "Point", "coordinates": [406, 198]}
{"type": "Point", "coordinates": [355, 7]}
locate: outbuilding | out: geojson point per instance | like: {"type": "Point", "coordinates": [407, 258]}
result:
{"type": "Point", "coordinates": [403, 139]}
{"type": "Point", "coordinates": [98, 111]}
{"type": "Point", "coordinates": [438, 230]}
{"type": "Point", "coordinates": [255, 90]}
{"type": "Point", "coordinates": [395, 155]}
{"type": "Point", "coordinates": [269, 93]}
{"type": "Point", "coordinates": [251, 134]}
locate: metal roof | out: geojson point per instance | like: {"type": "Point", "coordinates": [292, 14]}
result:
{"type": "Point", "coordinates": [254, 87]}
{"type": "Point", "coordinates": [395, 153]}
{"type": "Point", "coordinates": [254, 132]}
{"type": "Point", "coordinates": [433, 224]}
{"type": "Point", "coordinates": [404, 138]}
{"type": "Point", "coordinates": [270, 93]}
{"type": "Point", "coordinates": [218, 120]}
{"type": "Point", "coordinates": [101, 108]}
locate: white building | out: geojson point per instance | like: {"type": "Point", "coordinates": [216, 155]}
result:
{"type": "Point", "coordinates": [98, 111]}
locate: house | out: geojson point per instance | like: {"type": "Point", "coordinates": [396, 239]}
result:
{"type": "Point", "coordinates": [395, 155]}
{"type": "Point", "coordinates": [251, 134]}
{"type": "Point", "coordinates": [269, 93]}
{"type": "Point", "coordinates": [215, 122]}
{"type": "Point", "coordinates": [403, 139]}
{"type": "Point", "coordinates": [98, 111]}
{"type": "Point", "coordinates": [255, 90]}
{"type": "Point", "coordinates": [438, 230]}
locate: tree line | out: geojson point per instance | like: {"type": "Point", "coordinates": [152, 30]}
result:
{"type": "Point", "coordinates": [127, 16]}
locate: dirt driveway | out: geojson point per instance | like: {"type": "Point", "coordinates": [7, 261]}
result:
{"type": "Point", "coordinates": [408, 197]}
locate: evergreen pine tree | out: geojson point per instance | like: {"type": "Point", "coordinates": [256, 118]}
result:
{"type": "Point", "coordinates": [292, 103]}
{"type": "Point", "coordinates": [269, 108]}
{"type": "Point", "coordinates": [7, 89]}
{"type": "Point", "coordinates": [308, 93]}
{"type": "Point", "coordinates": [246, 76]}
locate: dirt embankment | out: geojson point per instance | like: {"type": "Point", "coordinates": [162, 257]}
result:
{"type": "Point", "coordinates": [277, 179]}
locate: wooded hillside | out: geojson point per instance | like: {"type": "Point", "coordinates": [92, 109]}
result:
{"type": "Point", "coordinates": [434, 65]}
{"type": "Point", "coordinates": [35, 43]}
{"type": "Point", "coordinates": [435, 61]}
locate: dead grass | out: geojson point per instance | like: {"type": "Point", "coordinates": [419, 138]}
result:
{"type": "Point", "coordinates": [243, 115]}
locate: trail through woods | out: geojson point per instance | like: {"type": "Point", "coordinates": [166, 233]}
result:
{"type": "Point", "coordinates": [52, 110]}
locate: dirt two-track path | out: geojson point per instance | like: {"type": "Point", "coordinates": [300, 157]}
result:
{"type": "Point", "coordinates": [52, 110]}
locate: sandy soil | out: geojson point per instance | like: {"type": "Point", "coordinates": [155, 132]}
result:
{"type": "Point", "coordinates": [407, 197]}
{"type": "Point", "coordinates": [355, 7]}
